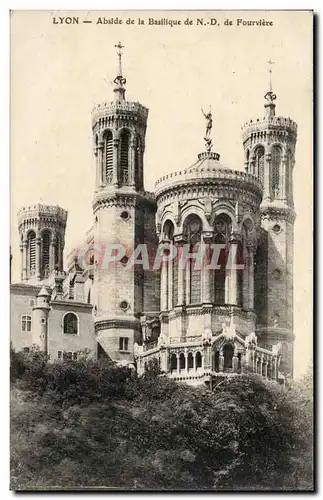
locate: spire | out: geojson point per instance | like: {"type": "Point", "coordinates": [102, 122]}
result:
{"type": "Point", "coordinates": [270, 96]}
{"type": "Point", "coordinates": [119, 79]}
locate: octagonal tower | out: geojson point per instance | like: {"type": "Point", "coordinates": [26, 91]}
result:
{"type": "Point", "coordinates": [42, 234]}
{"type": "Point", "coordinates": [269, 150]}
{"type": "Point", "coordinates": [124, 215]}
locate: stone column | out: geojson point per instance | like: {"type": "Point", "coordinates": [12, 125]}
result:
{"type": "Point", "coordinates": [52, 254]}
{"type": "Point", "coordinates": [186, 361]}
{"type": "Point", "coordinates": [283, 178]}
{"type": "Point", "coordinates": [188, 281]}
{"type": "Point", "coordinates": [194, 361]}
{"type": "Point", "coordinates": [206, 272]}
{"type": "Point", "coordinates": [38, 256]}
{"type": "Point", "coordinates": [261, 363]}
{"type": "Point", "coordinates": [180, 274]}
{"type": "Point", "coordinates": [141, 167]}
{"type": "Point", "coordinates": [245, 301]}
{"type": "Point", "coordinates": [233, 288]}
{"type": "Point", "coordinates": [170, 284]}
{"type": "Point", "coordinates": [24, 259]}
{"type": "Point", "coordinates": [235, 362]}
{"type": "Point", "coordinates": [265, 368]}
{"type": "Point", "coordinates": [132, 163]}
{"type": "Point", "coordinates": [252, 166]}
{"type": "Point", "coordinates": [101, 180]}
{"type": "Point", "coordinates": [266, 195]}
{"type": "Point", "coordinates": [221, 361]}
{"type": "Point", "coordinates": [178, 367]}
{"type": "Point", "coordinates": [97, 170]}
{"type": "Point", "coordinates": [251, 250]}
{"type": "Point", "coordinates": [163, 286]}
{"type": "Point", "coordinates": [116, 179]}
{"type": "Point", "coordinates": [274, 369]}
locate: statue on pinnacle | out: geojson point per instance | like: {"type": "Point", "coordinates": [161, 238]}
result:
{"type": "Point", "coordinates": [209, 123]}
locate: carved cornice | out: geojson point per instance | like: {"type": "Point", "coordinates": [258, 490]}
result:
{"type": "Point", "coordinates": [110, 324]}
{"type": "Point", "coordinates": [217, 189]}
{"type": "Point", "coordinates": [281, 213]}
{"type": "Point", "coordinates": [110, 197]}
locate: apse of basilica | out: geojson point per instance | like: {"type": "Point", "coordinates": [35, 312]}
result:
{"type": "Point", "coordinates": [196, 322]}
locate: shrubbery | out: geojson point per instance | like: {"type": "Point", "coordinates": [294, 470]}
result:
{"type": "Point", "coordinates": [88, 424]}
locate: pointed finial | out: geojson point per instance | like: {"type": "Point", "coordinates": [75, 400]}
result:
{"type": "Point", "coordinates": [119, 79]}
{"type": "Point", "coordinates": [270, 96]}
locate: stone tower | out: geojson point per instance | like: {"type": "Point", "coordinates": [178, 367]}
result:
{"type": "Point", "coordinates": [42, 236]}
{"type": "Point", "coordinates": [269, 149]}
{"type": "Point", "coordinates": [124, 215]}
{"type": "Point", "coordinates": [40, 323]}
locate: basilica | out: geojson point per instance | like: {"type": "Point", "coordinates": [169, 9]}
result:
{"type": "Point", "coordinates": [197, 322]}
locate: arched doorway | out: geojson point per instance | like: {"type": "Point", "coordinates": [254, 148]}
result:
{"type": "Point", "coordinates": [227, 357]}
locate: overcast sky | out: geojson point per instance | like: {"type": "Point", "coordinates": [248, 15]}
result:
{"type": "Point", "coordinates": [59, 71]}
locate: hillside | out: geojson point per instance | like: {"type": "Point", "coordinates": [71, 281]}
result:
{"type": "Point", "coordinates": [86, 424]}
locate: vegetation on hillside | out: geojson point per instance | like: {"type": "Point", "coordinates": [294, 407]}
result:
{"type": "Point", "coordinates": [85, 423]}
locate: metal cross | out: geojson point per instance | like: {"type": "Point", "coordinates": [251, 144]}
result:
{"type": "Point", "coordinates": [119, 46]}
{"type": "Point", "coordinates": [270, 62]}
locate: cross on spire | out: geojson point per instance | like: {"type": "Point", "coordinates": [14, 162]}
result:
{"type": "Point", "coordinates": [119, 46]}
{"type": "Point", "coordinates": [270, 63]}
{"type": "Point", "coordinates": [119, 79]}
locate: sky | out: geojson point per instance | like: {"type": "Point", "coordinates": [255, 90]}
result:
{"type": "Point", "coordinates": [60, 71]}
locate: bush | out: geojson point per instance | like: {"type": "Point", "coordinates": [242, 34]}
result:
{"type": "Point", "coordinates": [95, 425]}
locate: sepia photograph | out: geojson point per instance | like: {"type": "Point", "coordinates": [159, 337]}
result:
{"type": "Point", "coordinates": [161, 260]}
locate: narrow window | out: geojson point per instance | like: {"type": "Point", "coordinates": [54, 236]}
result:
{"type": "Point", "coordinates": [32, 253]}
{"type": "Point", "coordinates": [275, 172]}
{"type": "Point", "coordinates": [124, 156]}
{"type": "Point", "coordinates": [26, 323]}
{"type": "Point", "coordinates": [123, 343]}
{"type": "Point", "coordinates": [108, 155]}
{"type": "Point", "coordinates": [137, 163]}
{"type": "Point", "coordinates": [260, 162]}
{"type": "Point", "coordinates": [45, 252]}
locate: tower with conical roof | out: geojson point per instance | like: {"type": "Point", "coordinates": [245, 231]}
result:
{"type": "Point", "coordinates": [124, 216]}
{"type": "Point", "coordinates": [40, 320]}
{"type": "Point", "coordinates": [269, 150]}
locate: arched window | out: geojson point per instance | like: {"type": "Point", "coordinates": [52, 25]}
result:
{"type": "Point", "coordinates": [239, 261]}
{"type": "Point", "coordinates": [137, 163]}
{"type": "Point", "coordinates": [198, 360]}
{"type": "Point", "coordinates": [32, 253]}
{"type": "Point", "coordinates": [215, 364]}
{"type": "Point", "coordinates": [173, 363]}
{"type": "Point", "coordinates": [70, 324]}
{"type": "Point", "coordinates": [170, 268]}
{"type": "Point", "coordinates": [222, 228]}
{"type": "Point", "coordinates": [124, 156]}
{"type": "Point", "coordinates": [58, 251]}
{"type": "Point", "coordinates": [227, 356]}
{"type": "Point", "coordinates": [276, 157]}
{"type": "Point", "coordinates": [288, 174]}
{"type": "Point", "coordinates": [181, 361]}
{"type": "Point", "coordinates": [45, 242]}
{"type": "Point", "coordinates": [190, 363]}
{"type": "Point", "coordinates": [193, 232]}
{"type": "Point", "coordinates": [247, 160]}
{"type": "Point", "coordinates": [108, 156]}
{"type": "Point", "coordinates": [260, 163]}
